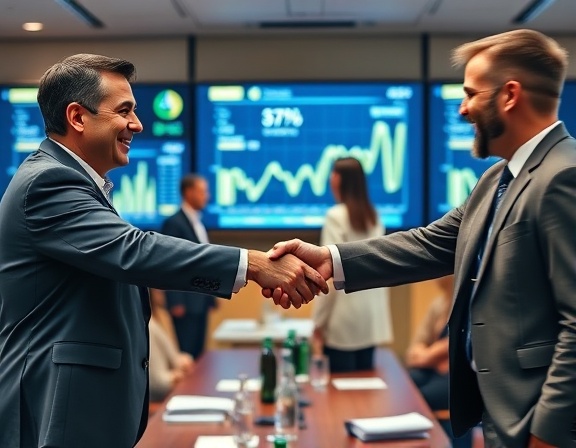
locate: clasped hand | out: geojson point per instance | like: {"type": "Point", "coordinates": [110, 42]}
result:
{"type": "Point", "coordinates": [293, 272]}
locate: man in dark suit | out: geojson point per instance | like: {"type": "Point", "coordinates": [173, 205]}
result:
{"type": "Point", "coordinates": [190, 310]}
{"type": "Point", "coordinates": [74, 307]}
{"type": "Point", "coordinates": [512, 330]}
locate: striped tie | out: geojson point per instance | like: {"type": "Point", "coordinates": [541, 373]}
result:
{"type": "Point", "coordinates": [108, 185]}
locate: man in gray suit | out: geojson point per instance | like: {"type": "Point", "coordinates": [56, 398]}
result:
{"type": "Point", "coordinates": [74, 307]}
{"type": "Point", "coordinates": [512, 329]}
{"type": "Point", "coordinates": [190, 310]}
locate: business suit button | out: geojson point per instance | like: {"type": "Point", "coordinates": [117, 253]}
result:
{"type": "Point", "coordinates": [145, 363]}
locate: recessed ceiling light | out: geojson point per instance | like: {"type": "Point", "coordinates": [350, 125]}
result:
{"type": "Point", "coordinates": [33, 26]}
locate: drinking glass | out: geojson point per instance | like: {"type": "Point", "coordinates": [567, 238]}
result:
{"type": "Point", "coordinates": [319, 371]}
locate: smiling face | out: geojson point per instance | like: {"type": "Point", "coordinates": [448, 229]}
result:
{"type": "Point", "coordinates": [480, 106]}
{"type": "Point", "coordinates": [106, 134]}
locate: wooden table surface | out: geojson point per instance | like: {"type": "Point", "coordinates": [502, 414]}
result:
{"type": "Point", "coordinates": [324, 417]}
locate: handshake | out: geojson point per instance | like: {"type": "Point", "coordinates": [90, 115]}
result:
{"type": "Point", "coordinates": [292, 272]}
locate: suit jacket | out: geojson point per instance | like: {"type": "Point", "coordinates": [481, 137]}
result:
{"type": "Point", "coordinates": [178, 225]}
{"type": "Point", "coordinates": [360, 321]}
{"type": "Point", "coordinates": [73, 308]}
{"type": "Point", "coordinates": [523, 312]}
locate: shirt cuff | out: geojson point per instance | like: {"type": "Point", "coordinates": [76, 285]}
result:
{"type": "Point", "coordinates": [242, 271]}
{"type": "Point", "coordinates": [338, 270]}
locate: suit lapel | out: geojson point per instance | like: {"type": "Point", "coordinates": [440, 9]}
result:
{"type": "Point", "coordinates": [479, 205]}
{"type": "Point", "coordinates": [186, 224]}
{"type": "Point", "coordinates": [55, 151]}
{"type": "Point", "coordinates": [517, 186]}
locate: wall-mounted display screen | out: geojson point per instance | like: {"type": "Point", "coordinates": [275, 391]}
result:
{"type": "Point", "coordinates": [147, 190]}
{"type": "Point", "coordinates": [21, 129]}
{"type": "Point", "coordinates": [567, 110]}
{"type": "Point", "coordinates": [267, 150]}
{"type": "Point", "coordinates": [453, 171]}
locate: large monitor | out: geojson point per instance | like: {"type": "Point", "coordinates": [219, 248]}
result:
{"type": "Point", "coordinates": [268, 149]}
{"type": "Point", "coordinates": [21, 129]}
{"type": "Point", "coordinates": [453, 171]}
{"type": "Point", "coordinates": [567, 110]}
{"type": "Point", "coordinates": [147, 190]}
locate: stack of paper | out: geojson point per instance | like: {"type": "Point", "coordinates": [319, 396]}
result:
{"type": "Point", "coordinates": [406, 426]}
{"type": "Point", "coordinates": [222, 442]}
{"type": "Point", "coordinates": [197, 408]}
{"type": "Point", "coordinates": [359, 383]}
{"type": "Point", "coordinates": [233, 385]}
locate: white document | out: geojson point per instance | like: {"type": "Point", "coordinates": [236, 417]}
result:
{"type": "Point", "coordinates": [359, 383]}
{"type": "Point", "coordinates": [233, 385]}
{"type": "Point", "coordinates": [197, 408]}
{"type": "Point", "coordinates": [405, 426]}
{"type": "Point", "coordinates": [221, 442]}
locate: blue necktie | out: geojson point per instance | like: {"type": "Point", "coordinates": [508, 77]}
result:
{"type": "Point", "coordinates": [503, 183]}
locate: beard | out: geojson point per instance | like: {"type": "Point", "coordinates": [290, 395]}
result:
{"type": "Point", "coordinates": [488, 126]}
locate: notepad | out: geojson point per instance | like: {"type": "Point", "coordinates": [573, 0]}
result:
{"type": "Point", "coordinates": [359, 383]}
{"type": "Point", "coordinates": [197, 408]}
{"type": "Point", "coordinates": [222, 442]}
{"type": "Point", "coordinates": [233, 385]}
{"type": "Point", "coordinates": [405, 426]}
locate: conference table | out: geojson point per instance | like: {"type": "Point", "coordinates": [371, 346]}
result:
{"type": "Point", "coordinates": [324, 417]}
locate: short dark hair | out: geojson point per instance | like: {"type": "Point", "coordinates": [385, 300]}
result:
{"type": "Point", "coordinates": [189, 181]}
{"type": "Point", "coordinates": [76, 79]}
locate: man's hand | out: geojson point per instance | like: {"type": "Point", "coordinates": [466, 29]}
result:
{"type": "Point", "coordinates": [298, 281]}
{"type": "Point", "coordinates": [315, 256]}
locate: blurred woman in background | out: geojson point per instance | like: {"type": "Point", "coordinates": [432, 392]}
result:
{"type": "Point", "coordinates": [348, 327]}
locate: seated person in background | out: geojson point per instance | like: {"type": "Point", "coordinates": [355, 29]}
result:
{"type": "Point", "coordinates": [427, 356]}
{"type": "Point", "coordinates": [168, 365]}
{"type": "Point", "coordinates": [349, 326]}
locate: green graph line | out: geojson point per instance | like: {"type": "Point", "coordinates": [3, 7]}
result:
{"type": "Point", "coordinates": [391, 151]}
{"type": "Point", "coordinates": [460, 183]}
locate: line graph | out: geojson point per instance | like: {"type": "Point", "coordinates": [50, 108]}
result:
{"type": "Point", "coordinates": [460, 183]}
{"type": "Point", "coordinates": [389, 149]}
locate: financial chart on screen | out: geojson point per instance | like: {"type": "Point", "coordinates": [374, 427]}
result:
{"type": "Point", "coordinates": [268, 149]}
{"type": "Point", "coordinates": [21, 129]}
{"type": "Point", "coordinates": [147, 190]}
{"type": "Point", "coordinates": [453, 171]}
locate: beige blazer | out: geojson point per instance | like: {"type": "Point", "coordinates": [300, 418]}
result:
{"type": "Point", "coordinates": [357, 320]}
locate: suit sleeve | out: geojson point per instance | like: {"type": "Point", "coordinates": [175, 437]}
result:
{"type": "Point", "coordinates": [67, 222]}
{"type": "Point", "coordinates": [557, 230]}
{"type": "Point", "coordinates": [402, 257]}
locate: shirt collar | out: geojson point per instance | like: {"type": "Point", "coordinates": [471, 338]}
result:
{"type": "Point", "coordinates": [91, 172]}
{"type": "Point", "coordinates": [521, 155]}
{"type": "Point", "coordinates": [192, 214]}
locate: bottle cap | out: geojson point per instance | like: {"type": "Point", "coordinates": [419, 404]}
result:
{"type": "Point", "coordinates": [280, 442]}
